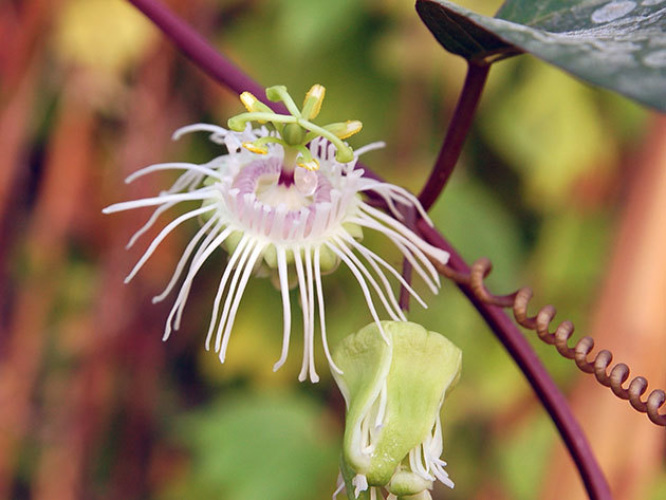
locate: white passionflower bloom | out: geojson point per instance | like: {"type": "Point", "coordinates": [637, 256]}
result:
{"type": "Point", "coordinates": [284, 199]}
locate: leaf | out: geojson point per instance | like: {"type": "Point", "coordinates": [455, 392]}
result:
{"type": "Point", "coordinates": [619, 45]}
{"type": "Point", "coordinates": [258, 446]}
{"type": "Point", "coordinates": [459, 32]}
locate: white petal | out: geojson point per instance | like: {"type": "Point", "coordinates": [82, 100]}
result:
{"type": "Point", "coordinates": [373, 257]}
{"type": "Point", "coordinates": [201, 194]}
{"type": "Point", "coordinates": [248, 268]}
{"type": "Point", "coordinates": [196, 264]}
{"type": "Point", "coordinates": [200, 127]}
{"type": "Point", "coordinates": [243, 251]}
{"type": "Point", "coordinates": [190, 167]}
{"type": "Point", "coordinates": [391, 305]}
{"type": "Point", "coordinates": [311, 311]}
{"type": "Point", "coordinates": [360, 483]}
{"type": "Point", "coordinates": [231, 264]}
{"type": "Point", "coordinates": [408, 249]}
{"type": "Point", "coordinates": [364, 287]}
{"type": "Point", "coordinates": [163, 234]}
{"type": "Point", "coordinates": [340, 487]}
{"type": "Point", "coordinates": [186, 255]}
{"type": "Point", "coordinates": [308, 334]}
{"type": "Point", "coordinates": [286, 305]}
{"type": "Point", "coordinates": [437, 253]}
{"type": "Point", "coordinates": [149, 223]}
{"type": "Point", "coordinates": [322, 316]}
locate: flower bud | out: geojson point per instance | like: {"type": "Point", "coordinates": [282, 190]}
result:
{"type": "Point", "coordinates": [394, 380]}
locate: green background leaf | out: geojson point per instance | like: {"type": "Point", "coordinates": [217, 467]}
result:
{"type": "Point", "coordinates": [276, 445]}
{"type": "Point", "coordinates": [619, 45]}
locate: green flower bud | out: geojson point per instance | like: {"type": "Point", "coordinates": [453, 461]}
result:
{"type": "Point", "coordinates": [394, 381]}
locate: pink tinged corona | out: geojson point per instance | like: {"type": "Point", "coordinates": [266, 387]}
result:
{"type": "Point", "coordinates": [287, 208]}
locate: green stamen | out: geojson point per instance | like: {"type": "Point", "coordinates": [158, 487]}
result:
{"type": "Point", "coordinates": [295, 130]}
{"type": "Point", "coordinates": [343, 154]}
{"type": "Point", "coordinates": [254, 105]}
{"type": "Point", "coordinates": [343, 130]}
{"type": "Point", "coordinates": [279, 93]}
{"type": "Point", "coordinates": [259, 147]}
{"type": "Point", "coordinates": [312, 102]}
{"type": "Point", "coordinates": [238, 122]}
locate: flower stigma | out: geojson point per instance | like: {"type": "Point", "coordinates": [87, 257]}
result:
{"type": "Point", "coordinates": [284, 199]}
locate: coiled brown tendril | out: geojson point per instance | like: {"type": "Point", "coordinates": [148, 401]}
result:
{"type": "Point", "coordinates": [540, 323]}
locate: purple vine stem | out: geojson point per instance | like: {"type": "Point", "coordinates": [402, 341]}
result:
{"type": "Point", "coordinates": [461, 121]}
{"type": "Point", "coordinates": [201, 53]}
{"type": "Point", "coordinates": [220, 69]}
{"type": "Point", "coordinates": [449, 153]}
{"type": "Point", "coordinates": [519, 348]}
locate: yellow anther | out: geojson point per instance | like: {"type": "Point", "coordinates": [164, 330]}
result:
{"type": "Point", "coordinates": [250, 102]}
{"type": "Point", "coordinates": [254, 105]}
{"type": "Point", "coordinates": [317, 91]}
{"type": "Point", "coordinates": [310, 165]}
{"type": "Point", "coordinates": [254, 148]}
{"type": "Point", "coordinates": [345, 129]}
{"type": "Point", "coordinates": [313, 100]}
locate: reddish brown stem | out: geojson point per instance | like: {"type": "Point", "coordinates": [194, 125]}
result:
{"type": "Point", "coordinates": [544, 387]}
{"type": "Point", "coordinates": [477, 74]}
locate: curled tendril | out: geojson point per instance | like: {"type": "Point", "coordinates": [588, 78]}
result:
{"type": "Point", "coordinates": [615, 378]}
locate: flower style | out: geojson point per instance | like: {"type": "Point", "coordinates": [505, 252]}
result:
{"type": "Point", "coordinates": [284, 200]}
{"type": "Point", "coordinates": [394, 393]}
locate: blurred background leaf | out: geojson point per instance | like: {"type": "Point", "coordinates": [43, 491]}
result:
{"type": "Point", "coordinates": [104, 35]}
{"type": "Point", "coordinates": [258, 445]}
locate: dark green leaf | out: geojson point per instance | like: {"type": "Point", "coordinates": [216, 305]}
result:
{"type": "Point", "coordinates": [455, 28]}
{"type": "Point", "coordinates": [618, 44]}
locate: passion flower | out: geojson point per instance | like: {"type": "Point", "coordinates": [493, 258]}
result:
{"type": "Point", "coordinates": [284, 198]}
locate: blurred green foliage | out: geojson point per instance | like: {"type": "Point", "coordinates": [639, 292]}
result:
{"type": "Point", "coordinates": [276, 444]}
